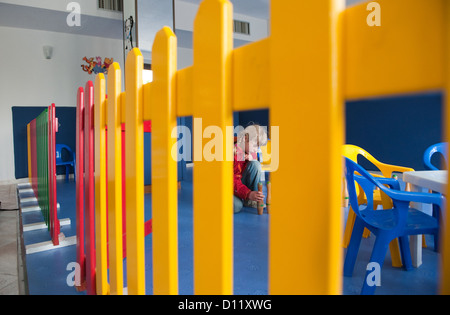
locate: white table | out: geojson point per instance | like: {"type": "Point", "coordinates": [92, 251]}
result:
{"type": "Point", "coordinates": [420, 180]}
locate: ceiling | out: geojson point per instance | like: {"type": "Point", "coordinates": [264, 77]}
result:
{"type": "Point", "coordinates": [154, 14]}
{"type": "Point", "coordinates": [352, 2]}
{"type": "Point", "coordinates": [254, 8]}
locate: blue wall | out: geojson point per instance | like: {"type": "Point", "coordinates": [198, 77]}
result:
{"type": "Point", "coordinates": [259, 117]}
{"type": "Point", "coordinates": [66, 135]}
{"type": "Point", "coordinates": [24, 115]}
{"type": "Point", "coordinates": [396, 130]}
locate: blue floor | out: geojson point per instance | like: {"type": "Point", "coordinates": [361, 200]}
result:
{"type": "Point", "coordinates": [47, 272]}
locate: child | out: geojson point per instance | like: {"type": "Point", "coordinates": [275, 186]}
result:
{"type": "Point", "coordinates": [247, 168]}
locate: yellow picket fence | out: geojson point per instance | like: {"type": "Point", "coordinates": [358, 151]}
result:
{"type": "Point", "coordinates": [318, 55]}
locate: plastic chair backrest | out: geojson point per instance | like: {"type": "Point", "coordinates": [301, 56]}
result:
{"type": "Point", "coordinates": [366, 182]}
{"type": "Point", "coordinates": [59, 149]}
{"type": "Point", "coordinates": [441, 148]}
{"type": "Point", "coordinates": [352, 151]}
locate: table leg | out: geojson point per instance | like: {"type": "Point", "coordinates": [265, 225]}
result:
{"type": "Point", "coordinates": [416, 250]}
{"type": "Point", "coordinates": [416, 240]}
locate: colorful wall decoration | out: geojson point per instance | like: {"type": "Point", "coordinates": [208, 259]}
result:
{"type": "Point", "coordinates": [95, 65]}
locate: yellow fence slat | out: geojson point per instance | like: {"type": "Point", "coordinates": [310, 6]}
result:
{"type": "Point", "coordinates": [302, 77]}
{"type": "Point", "coordinates": [305, 241]}
{"type": "Point", "coordinates": [114, 109]}
{"type": "Point", "coordinates": [184, 92]}
{"type": "Point", "coordinates": [101, 245]}
{"type": "Point", "coordinates": [134, 159]}
{"type": "Point", "coordinates": [213, 230]}
{"type": "Point", "coordinates": [164, 166]}
{"type": "Point", "coordinates": [251, 76]}
{"type": "Point", "coordinates": [403, 55]}
{"type": "Point", "coordinates": [445, 224]}
{"type": "Point", "coordinates": [146, 99]}
{"type": "Point", "coordinates": [123, 110]}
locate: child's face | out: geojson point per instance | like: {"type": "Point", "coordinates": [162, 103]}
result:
{"type": "Point", "coordinates": [250, 146]}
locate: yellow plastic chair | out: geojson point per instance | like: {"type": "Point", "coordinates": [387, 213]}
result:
{"type": "Point", "coordinates": [266, 167]}
{"type": "Point", "coordinates": [267, 157]}
{"type": "Point", "coordinates": [352, 152]}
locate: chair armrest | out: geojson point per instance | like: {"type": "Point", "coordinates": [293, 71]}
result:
{"type": "Point", "coordinates": [393, 183]}
{"type": "Point", "coordinates": [394, 194]}
{"type": "Point", "coordinates": [430, 198]}
{"type": "Point", "coordinates": [388, 169]}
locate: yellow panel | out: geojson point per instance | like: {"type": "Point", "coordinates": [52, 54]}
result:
{"type": "Point", "coordinates": [115, 179]}
{"type": "Point", "coordinates": [404, 54]}
{"type": "Point", "coordinates": [184, 92]}
{"type": "Point", "coordinates": [134, 159]}
{"type": "Point", "coordinates": [305, 241]}
{"type": "Point", "coordinates": [100, 187]}
{"type": "Point", "coordinates": [213, 208]}
{"type": "Point", "coordinates": [445, 232]}
{"type": "Point", "coordinates": [164, 167]}
{"type": "Point", "coordinates": [123, 110]}
{"type": "Point", "coordinates": [147, 89]}
{"type": "Point", "coordinates": [251, 76]}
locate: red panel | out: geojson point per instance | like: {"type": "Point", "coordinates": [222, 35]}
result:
{"type": "Point", "coordinates": [89, 187]}
{"type": "Point", "coordinates": [148, 126]}
{"type": "Point", "coordinates": [81, 259]}
{"type": "Point", "coordinates": [148, 227]}
{"type": "Point", "coordinates": [54, 221]}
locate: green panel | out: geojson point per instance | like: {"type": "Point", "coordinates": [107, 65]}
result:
{"type": "Point", "coordinates": [42, 161]}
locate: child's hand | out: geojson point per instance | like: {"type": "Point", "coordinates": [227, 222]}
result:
{"type": "Point", "coordinates": [256, 196]}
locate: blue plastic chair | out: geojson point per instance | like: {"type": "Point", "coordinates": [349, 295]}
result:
{"type": "Point", "coordinates": [388, 224]}
{"type": "Point", "coordinates": [441, 148]}
{"type": "Point", "coordinates": [69, 158]}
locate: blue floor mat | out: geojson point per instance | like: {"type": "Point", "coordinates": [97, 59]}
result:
{"type": "Point", "coordinates": [48, 274]}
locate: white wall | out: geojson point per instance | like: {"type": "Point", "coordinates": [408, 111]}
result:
{"type": "Point", "coordinates": [28, 79]}
{"type": "Point", "coordinates": [88, 7]}
{"type": "Point", "coordinates": [185, 57]}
